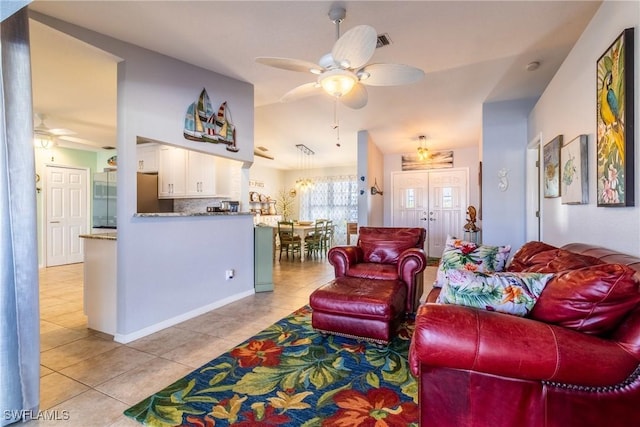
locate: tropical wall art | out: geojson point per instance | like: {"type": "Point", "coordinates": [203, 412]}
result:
{"type": "Point", "coordinates": [202, 124]}
{"type": "Point", "coordinates": [615, 115]}
{"type": "Point", "coordinates": [551, 167]}
{"type": "Point", "coordinates": [574, 182]}
{"type": "Point", "coordinates": [436, 160]}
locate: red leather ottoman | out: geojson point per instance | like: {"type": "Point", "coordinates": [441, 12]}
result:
{"type": "Point", "coordinates": [359, 308]}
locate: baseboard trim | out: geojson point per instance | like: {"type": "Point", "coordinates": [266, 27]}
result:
{"type": "Point", "coordinates": [127, 338]}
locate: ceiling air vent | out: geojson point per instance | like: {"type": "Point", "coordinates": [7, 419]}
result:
{"type": "Point", "coordinates": [383, 40]}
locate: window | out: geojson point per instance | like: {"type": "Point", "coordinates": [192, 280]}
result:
{"type": "Point", "coordinates": [334, 198]}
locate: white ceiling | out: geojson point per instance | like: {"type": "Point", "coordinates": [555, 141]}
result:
{"type": "Point", "coordinates": [472, 52]}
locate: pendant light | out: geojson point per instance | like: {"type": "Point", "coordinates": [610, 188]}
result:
{"type": "Point", "coordinates": [423, 152]}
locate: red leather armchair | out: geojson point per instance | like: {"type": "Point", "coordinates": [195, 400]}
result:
{"type": "Point", "coordinates": [574, 361]}
{"type": "Point", "coordinates": [388, 253]}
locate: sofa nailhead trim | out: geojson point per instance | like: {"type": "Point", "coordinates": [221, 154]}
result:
{"type": "Point", "coordinates": [601, 389]}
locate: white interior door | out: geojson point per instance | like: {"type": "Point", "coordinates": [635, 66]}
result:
{"type": "Point", "coordinates": [447, 207]}
{"type": "Point", "coordinates": [435, 200]}
{"type": "Point", "coordinates": [66, 214]}
{"type": "Point", "coordinates": [533, 190]}
{"type": "Point", "coordinates": [410, 199]}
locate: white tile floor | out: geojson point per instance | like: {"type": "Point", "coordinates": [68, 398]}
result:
{"type": "Point", "coordinates": [88, 380]}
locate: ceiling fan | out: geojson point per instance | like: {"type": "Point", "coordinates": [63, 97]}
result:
{"type": "Point", "coordinates": [45, 135]}
{"type": "Point", "coordinates": [344, 72]}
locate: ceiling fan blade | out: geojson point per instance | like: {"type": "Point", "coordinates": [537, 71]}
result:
{"type": "Point", "coordinates": [288, 64]}
{"type": "Point", "coordinates": [61, 132]}
{"type": "Point", "coordinates": [356, 98]}
{"type": "Point", "coordinates": [391, 75]}
{"type": "Point", "coordinates": [304, 91]}
{"type": "Point", "coordinates": [355, 47]}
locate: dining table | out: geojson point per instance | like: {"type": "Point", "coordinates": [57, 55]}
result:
{"type": "Point", "coordinates": [304, 230]}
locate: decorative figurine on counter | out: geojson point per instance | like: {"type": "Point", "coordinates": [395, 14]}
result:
{"type": "Point", "coordinates": [471, 220]}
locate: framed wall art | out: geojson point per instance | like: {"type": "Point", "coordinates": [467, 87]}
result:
{"type": "Point", "coordinates": [575, 168]}
{"type": "Point", "coordinates": [615, 115]}
{"type": "Point", "coordinates": [436, 160]}
{"type": "Point", "coordinates": [551, 167]}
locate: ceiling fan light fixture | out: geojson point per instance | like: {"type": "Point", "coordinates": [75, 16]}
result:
{"type": "Point", "coordinates": [337, 82]}
{"type": "Point", "coordinates": [42, 140]}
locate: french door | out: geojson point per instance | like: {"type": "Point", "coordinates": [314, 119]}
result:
{"type": "Point", "coordinates": [66, 214]}
{"type": "Point", "coordinates": [433, 199]}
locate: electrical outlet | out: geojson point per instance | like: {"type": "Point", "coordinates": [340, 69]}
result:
{"type": "Point", "coordinates": [229, 274]}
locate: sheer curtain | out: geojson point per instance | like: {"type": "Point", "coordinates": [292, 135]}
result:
{"type": "Point", "coordinates": [334, 198]}
{"type": "Point", "coordinates": [20, 335]}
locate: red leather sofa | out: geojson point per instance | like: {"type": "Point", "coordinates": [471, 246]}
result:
{"type": "Point", "coordinates": [387, 253]}
{"type": "Point", "coordinates": [574, 360]}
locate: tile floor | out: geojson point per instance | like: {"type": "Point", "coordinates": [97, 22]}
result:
{"type": "Point", "coordinates": [88, 380]}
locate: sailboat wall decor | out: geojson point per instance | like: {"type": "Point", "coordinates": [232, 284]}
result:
{"type": "Point", "coordinates": [202, 124]}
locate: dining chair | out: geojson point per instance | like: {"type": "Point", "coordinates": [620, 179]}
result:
{"type": "Point", "coordinates": [314, 240]}
{"type": "Point", "coordinates": [289, 241]}
{"type": "Point", "coordinates": [352, 228]}
{"type": "Point", "coordinates": [327, 240]}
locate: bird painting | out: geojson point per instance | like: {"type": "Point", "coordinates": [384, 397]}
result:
{"type": "Point", "coordinates": [608, 101]}
{"type": "Point", "coordinates": [611, 116]}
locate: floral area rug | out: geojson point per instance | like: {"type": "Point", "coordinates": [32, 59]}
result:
{"type": "Point", "coordinates": [290, 375]}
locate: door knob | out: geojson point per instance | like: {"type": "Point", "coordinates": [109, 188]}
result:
{"type": "Point", "coordinates": [432, 219]}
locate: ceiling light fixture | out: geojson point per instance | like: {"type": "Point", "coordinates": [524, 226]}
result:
{"type": "Point", "coordinates": [304, 183]}
{"type": "Point", "coordinates": [337, 82]}
{"type": "Point", "coordinates": [532, 66]}
{"type": "Point", "coordinates": [41, 140]}
{"type": "Point", "coordinates": [423, 152]}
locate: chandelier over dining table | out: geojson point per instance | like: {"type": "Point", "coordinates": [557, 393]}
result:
{"type": "Point", "coordinates": [305, 182]}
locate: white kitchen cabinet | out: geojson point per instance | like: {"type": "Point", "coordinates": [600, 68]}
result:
{"type": "Point", "coordinates": [201, 175]}
{"type": "Point", "coordinates": [147, 155]}
{"type": "Point", "coordinates": [172, 172]}
{"type": "Point", "coordinates": [190, 174]}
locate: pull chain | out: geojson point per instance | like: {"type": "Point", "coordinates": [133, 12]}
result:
{"type": "Point", "coordinates": [336, 122]}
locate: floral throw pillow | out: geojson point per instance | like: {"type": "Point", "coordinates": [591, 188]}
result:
{"type": "Point", "coordinates": [459, 254]}
{"type": "Point", "coordinates": [506, 292]}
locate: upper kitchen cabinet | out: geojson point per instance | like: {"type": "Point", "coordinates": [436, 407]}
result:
{"type": "Point", "coordinates": [190, 174]}
{"type": "Point", "coordinates": [201, 175]}
{"type": "Point", "coordinates": [148, 157]}
{"type": "Point", "coordinates": [172, 172]}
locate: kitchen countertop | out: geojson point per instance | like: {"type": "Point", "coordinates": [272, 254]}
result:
{"type": "Point", "coordinates": [101, 236]}
{"type": "Point", "coordinates": [182, 214]}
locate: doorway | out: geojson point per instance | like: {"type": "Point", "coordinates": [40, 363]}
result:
{"type": "Point", "coordinates": [66, 214]}
{"type": "Point", "coordinates": [435, 200]}
{"type": "Point", "coordinates": [533, 213]}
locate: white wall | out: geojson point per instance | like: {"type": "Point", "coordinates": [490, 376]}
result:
{"type": "Point", "coordinates": [504, 136]}
{"type": "Point", "coordinates": [170, 269]}
{"type": "Point", "coordinates": [568, 107]}
{"type": "Point", "coordinates": [371, 168]}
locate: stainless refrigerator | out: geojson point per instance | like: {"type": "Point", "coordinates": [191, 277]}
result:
{"type": "Point", "coordinates": [105, 197]}
{"type": "Point", "coordinates": [148, 201]}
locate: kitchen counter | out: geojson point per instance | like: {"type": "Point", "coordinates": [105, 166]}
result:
{"type": "Point", "coordinates": [100, 281]}
{"type": "Point", "coordinates": [183, 214]}
{"type": "Point", "coordinates": [101, 236]}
